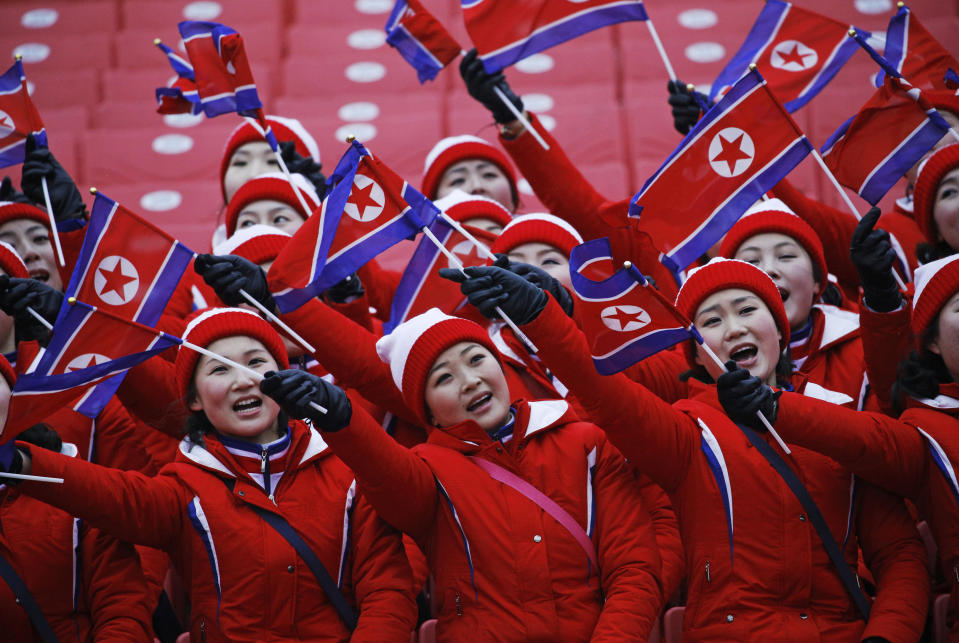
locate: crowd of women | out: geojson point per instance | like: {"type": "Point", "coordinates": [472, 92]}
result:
{"type": "Point", "coordinates": [450, 471]}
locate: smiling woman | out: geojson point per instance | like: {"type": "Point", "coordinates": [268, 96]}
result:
{"type": "Point", "coordinates": [26, 229]}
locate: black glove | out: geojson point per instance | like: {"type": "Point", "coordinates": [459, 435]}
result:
{"type": "Point", "coordinates": [10, 193]}
{"type": "Point", "coordinates": [686, 109]}
{"type": "Point", "coordinates": [487, 287]}
{"type": "Point", "coordinates": [742, 394]}
{"type": "Point", "coordinates": [872, 254]}
{"type": "Point", "coordinates": [294, 390]}
{"type": "Point", "coordinates": [875, 639]}
{"type": "Point", "coordinates": [304, 165]}
{"type": "Point", "coordinates": [19, 295]}
{"type": "Point", "coordinates": [229, 274]}
{"type": "Point", "coordinates": [480, 84]}
{"type": "Point", "coordinates": [345, 291]}
{"type": "Point", "coordinates": [64, 195]}
{"type": "Point", "coordinates": [43, 436]}
{"type": "Point", "coordinates": [542, 279]}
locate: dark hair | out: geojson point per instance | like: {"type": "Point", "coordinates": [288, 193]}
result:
{"type": "Point", "coordinates": [928, 252]}
{"type": "Point", "coordinates": [831, 295]}
{"type": "Point", "coordinates": [920, 374]}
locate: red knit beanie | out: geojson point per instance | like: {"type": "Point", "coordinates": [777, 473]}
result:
{"type": "Point", "coordinates": [936, 282]}
{"type": "Point", "coordinates": [931, 172]}
{"type": "Point", "coordinates": [775, 216]}
{"type": "Point", "coordinates": [257, 243]}
{"type": "Point", "coordinates": [538, 228]}
{"type": "Point", "coordinates": [6, 370]}
{"type": "Point", "coordinates": [208, 325]}
{"type": "Point", "coordinates": [11, 263]}
{"type": "Point", "coordinates": [462, 207]}
{"type": "Point", "coordinates": [723, 274]}
{"type": "Point", "coordinates": [285, 129]}
{"type": "Point", "coordinates": [10, 211]}
{"type": "Point", "coordinates": [272, 186]}
{"type": "Point", "coordinates": [454, 149]}
{"type": "Point", "coordinates": [414, 345]}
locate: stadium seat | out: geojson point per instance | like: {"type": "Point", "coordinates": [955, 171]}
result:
{"type": "Point", "coordinates": [235, 13]}
{"type": "Point", "coordinates": [43, 51]}
{"type": "Point", "coordinates": [428, 631]}
{"type": "Point", "coordinates": [940, 622]}
{"type": "Point", "coordinates": [56, 18]}
{"type": "Point", "coordinates": [673, 624]}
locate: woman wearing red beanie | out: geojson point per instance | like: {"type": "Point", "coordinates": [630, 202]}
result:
{"type": "Point", "coordinates": [755, 567]}
{"type": "Point", "coordinates": [241, 464]}
{"type": "Point", "coordinates": [470, 164]}
{"type": "Point", "coordinates": [936, 200]}
{"type": "Point", "coordinates": [562, 551]}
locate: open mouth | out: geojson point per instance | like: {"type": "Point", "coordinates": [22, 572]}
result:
{"type": "Point", "coordinates": [40, 275]}
{"type": "Point", "coordinates": [248, 405]}
{"type": "Point", "coordinates": [744, 353]}
{"type": "Point", "coordinates": [783, 293]}
{"type": "Point", "coordinates": [479, 402]}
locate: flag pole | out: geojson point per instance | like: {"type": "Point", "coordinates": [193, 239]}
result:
{"type": "Point", "coordinates": [39, 318]}
{"type": "Point", "coordinates": [659, 47]}
{"type": "Point", "coordinates": [286, 171]}
{"type": "Point", "coordinates": [229, 362]}
{"type": "Point", "coordinates": [276, 320]}
{"type": "Point", "coordinates": [53, 221]}
{"type": "Point", "coordinates": [459, 265]}
{"type": "Point", "coordinates": [459, 227]}
{"type": "Point", "coordinates": [23, 476]}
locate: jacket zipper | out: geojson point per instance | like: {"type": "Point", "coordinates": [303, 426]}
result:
{"type": "Point", "coordinates": [955, 572]}
{"type": "Point", "coordinates": [265, 471]}
{"type": "Point", "coordinates": [459, 605]}
{"type": "Point", "coordinates": [708, 577]}
{"type": "Point", "coordinates": [202, 630]}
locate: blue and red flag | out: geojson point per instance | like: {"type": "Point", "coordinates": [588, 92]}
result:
{"type": "Point", "coordinates": [368, 208]}
{"type": "Point", "coordinates": [871, 151]}
{"type": "Point", "coordinates": [420, 38]}
{"type": "Point", "coordinates": [18, 117]}
{"type": "Point", "coordinates": [915, 54]}
{"type": "Point", "coordinates": [421, 287]}
{"type": "Point", "coordinates": [505, 31]}
{"type": "Point", "coordinates": [181, 96]}
{"type": "Point", "coordinates": [625, 319]}
{"type": "Point", "coordinates": [87, 346]}
{"type": "Point", "coordinates": [741, 147]}
{"type": "Point", "coordinates": [797, 51]}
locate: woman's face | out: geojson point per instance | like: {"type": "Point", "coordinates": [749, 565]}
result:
{"type": "Point", "coordinates": [272, 213]}
{"type": "Point", "coordinates": [231, 398]}
{"type": "Point", "coordinates": [484, 223]}
{"type": "Point", "coordinates": [249, 160]}
{"type": "Point", "coordinates": [945, 210]}
{"type": "Point", "coordinates": [737, 325]}
{"type": "Point", "coordinates": [788, 264]}
{"type": "Point", "coordinates": [546, 257]}
{"type": "Point", "coordinates": [946, 343]}
{"type": "Point", "coordinates": [467, 383]}
{"type": "Point", "coordinates": [31, 240]}
{"type": "Point", "coordinates": [477, 176]}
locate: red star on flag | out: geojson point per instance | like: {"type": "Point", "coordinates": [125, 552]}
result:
{"type": "Point", "coordinates": [623, 318]}
{"type": "Point", "coordinates": [362, 198]}
{"type": "Point", "coordinates": [6, 122]}
{"type": "Point", "coordinates": [793, 56]}
{"type": "Point", "coordinates": [732, 152]}
{"type": "Point", "coordinates": [115, 281]}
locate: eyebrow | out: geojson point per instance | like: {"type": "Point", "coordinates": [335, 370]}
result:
{"type": "Point", "coordinates": [736, 301]}
{"type": "Point", "coordinates": [442, 364]}
{"type": "Point", "coordinates": [790, 242]}
{"type": "Point", "coordinates": [206, 359]}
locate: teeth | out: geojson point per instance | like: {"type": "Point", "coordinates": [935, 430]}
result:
{"type": "Point", "coordinates": [246, 404]}
{"type": "Point", "coordinates": [479, 402]}
{"type": "Point", "coordinates": [744, 353]}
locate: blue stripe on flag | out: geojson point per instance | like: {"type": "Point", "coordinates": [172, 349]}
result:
{"type": "Point", "coordinates": [421, 264]}
{"type": "Point", "coordinates": [760, 36]}
{"type": "Point", "coordinates": [895, 48]}
{"type": "Point", "coordinates": [837, 136]}
{"type": "Point", "coordinates": [415, 53]}
{"type": "Point", "coordinates": [639, 348]}
{"type": "Point", "coordinates": [843, 51]}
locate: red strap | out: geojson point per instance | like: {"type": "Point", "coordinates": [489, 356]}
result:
{"type": "Point", "coordinates": [544, 502]}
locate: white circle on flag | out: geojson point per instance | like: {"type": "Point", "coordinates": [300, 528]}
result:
{"type": "Point", "coordinates": [85, 361]}
{"type": "Point", "coordinates": [116, 280]}
{"type": "Point", "coordinates": [366, 39]}
{"type": "Point", "coordinates": [792, 55]}
{"type": "Point", "coordinates": [538, 103]}
{"type": "Point", "coordinates": [705, 52]}
{"type": "Point", "coordinates": [358, 111]}
{"type": "Point", "coordinates": [698, 19]}
{"type": "Point", "coordinates": [535, 64]}
{"type": "Point", "coordinates": [365, 72]}
{"type": "Point", "coordinates": [872, 7]}
{"type": "Point", "coordinates": [172, 144]}
{"type": "Point", "coordinates": [731, 152]}
{"type": "Point", "coordinates": [366, 201]}
{"type": "Point", "coordinates": [202, 10]}
{"type": "Point", "coordinates": [161, 200]}
{"type": "Point", "coordinates": [6, 124]}
{"type": "Point", "coordinates": [39, 18]}
{"type": "Point", "coordinates": [32, 52]}
{"type": "Point", "coordinates": [467, 254]}
{"type": "Point", "coordinates": [524, 187]}
{"type": "Point", "coordinates": [373, 6]}
{"type": "Point", "coordinates": [362, 131]}
{"type": "Point", "coordinates": [624, 319]}
{"type": "Point", "coordinates": [182, 120]}
{"type": "Point", "coordinates": [548, 122]}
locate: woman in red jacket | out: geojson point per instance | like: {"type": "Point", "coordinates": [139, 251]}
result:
{"type": "Point", "coordinates": [756, 569]}
{"type": "Point", "coordinates": [530, 520]}
{"type": "Point", "coordinates": [240, 462]}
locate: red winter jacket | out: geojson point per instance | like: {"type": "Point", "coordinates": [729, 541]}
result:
{"type": "Point", "coordinates": [503, 569]}
{"type": "Point", "coordinates": [756, 570]}
{"type": "Point", "coordinates": [911, 457]}
{"type": "Point", "coordinates": [246, 582]}
{"type": "Point", "coordinates": [834, 360]}
{"type": "Point", "coordinates": [88, 585]}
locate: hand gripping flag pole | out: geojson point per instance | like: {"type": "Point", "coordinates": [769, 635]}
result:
{"type": "Point", "coordinates": [454, 260]}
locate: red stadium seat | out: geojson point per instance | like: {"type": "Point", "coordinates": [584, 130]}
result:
{"type": "Point", "coordinates": [235, 13]}
{"type": "Point", "coordinates": [52, 19]}
{"type": "Point", "coordinates": [428, 631]}
{"type": "Point", "coordinates": [940, 619]}
{"type": "Point", "coordinates": [44, 51]}
{"type": "Point", "coordinates": [673, 624]}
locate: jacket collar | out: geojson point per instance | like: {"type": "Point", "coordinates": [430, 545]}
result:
{"type": "Point", "coordinates": [833, 325]}
{"type": "Point", "coordinates": [946, 402]}
{"type": "Point", "coordinates": [531, 418]}
{"type": "Point", "coordinates": [214, 456]}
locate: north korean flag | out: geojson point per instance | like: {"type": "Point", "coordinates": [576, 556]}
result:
{"type": "Point", "coordinates": [505, 31]}
{"type": "Point", "coordinates": [420, 38]}
{"type": "Point", "coordinates": [181, 96]}
{"type": "Point", "coordinates": [915, 54]}
{"type": "Point", "coordinates": [368, 208]}
{"type": "Point", "coordinates": [421, 287]}
{"type": "Point", "coordinates": [738, 150]}
{"type": "Point", "coordinates": [623, 316]}
{"type": "Point", "coordinates": [18, 117]}
{"type": "Point", "coordinates": [221, 69]}
{"type": "Point", "coordinates": [871, 151]}
{"type": "Point", "coordinates": [797, 51]}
